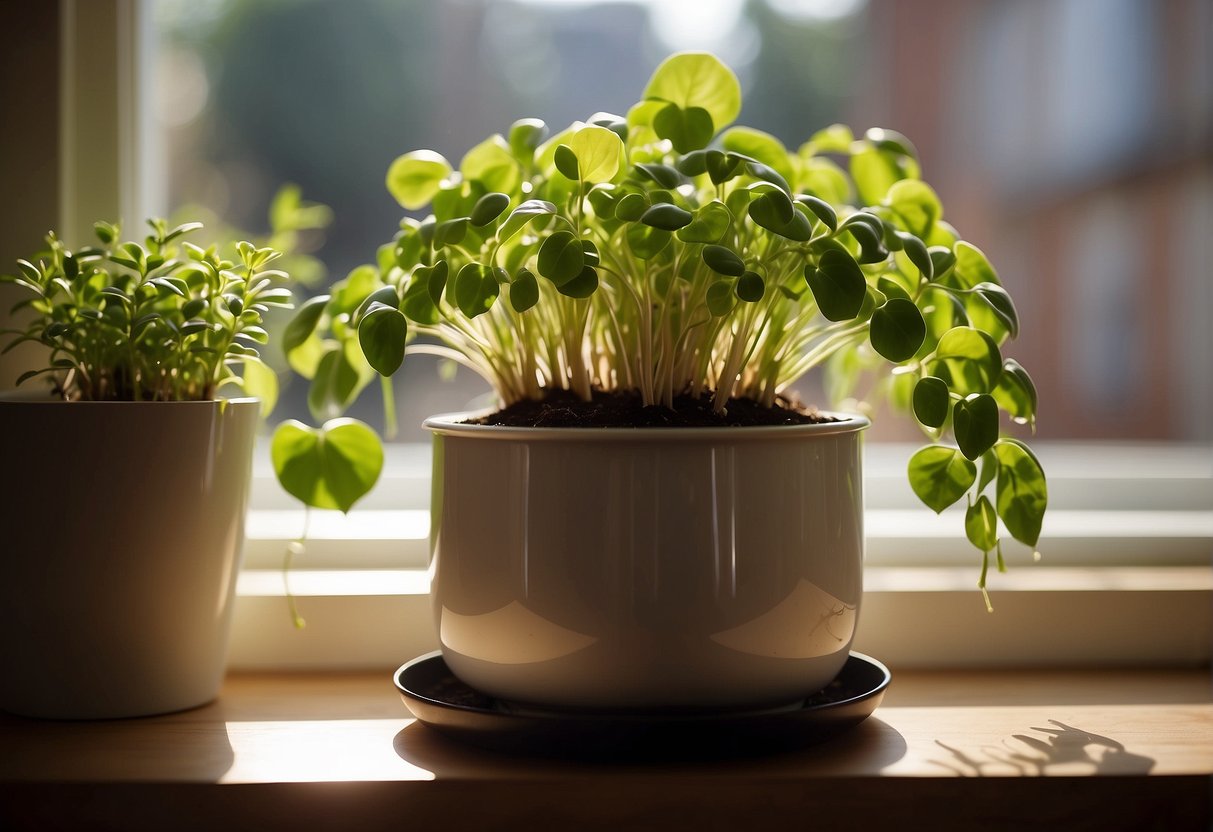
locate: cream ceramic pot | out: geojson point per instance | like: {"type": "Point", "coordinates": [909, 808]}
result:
{"type": "Point", "coordinates": [123, 525]}
{"type": "Point", "coordinates": [648, 568]}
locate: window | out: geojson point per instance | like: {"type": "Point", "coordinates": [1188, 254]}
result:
{"type": "Point", "coordinates": [1100, 233]}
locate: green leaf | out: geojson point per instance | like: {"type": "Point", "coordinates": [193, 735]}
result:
{"type": "Point", "coordinates": [824, 179]}
{"type": "Point", "coordinates": [561, 257]}
{"type": "Point", "coordinates": [666, 216]}
{"type": "Point", "coordinates": [989, 470]}
{"type": "Point", "coordinates": [382, 333]}
{"type": "Point", "coordinates": [631, 207]}
{"type": "Point", "coordinates": [890, 141]}
{"type": "Point", "coordinates": [723, 260]}
{"type": "Point", "coordinates": [874, 172]}
{"type": "Point", "coordinates": [451, 232]}
{"type": "Point", "coordinates": [722, 167]}
{"type": "Point", "coordinates": [647, 242]}
{"type": "Point", "coordinates": [837, 284]}
{"type": "Point", "coordinates": [698, 79]}
{"type": "Point", "coordinates": [489, 208]}
{"type": "Point", "coordinates": [968, 360]}
{"type": "Point", "coordinates": [981, 524]}
{"type": "Point", "coordinates": [821, 209]}
{"type": "Point", "coordinates": [304, 323]}
{"type": "Point", "coordinates": [331, 467]}
{"type": "Point", "coordinates": [476, 289]}
{"type": "Point", "coordinates": [931, 401]}
{"type": "Point", "coordinates": [688, 130]}
{"type": "Point", "coordinates": [525, 136]}
{"type": "Point", "coordinates": [524, 291]}
{"type": "Point", "coordinates": [566, 162]}
{"type": "Point", "coordinates": [418, 303]}
{"type": "Point", "coordinates": [581, 286]}
{"type": "Point", "coordinates": [772, 210]}
{"type": "Point", "coordinates": [492, 165]}
{"type": "Point", "coordinates": [751, 287]}
{"type": "Point", "coordinates": [260, 381]}
{"type": "Point", "coordinates": [709, 225]}
{"type": "Point", "coordinates": [335, 385]}
{"type": "Point", "coordinates": [897, 330]}
{"type": "Point", "coordinates": [916, 205]}
{"type": "Point", "coordinates": [664, 175]}
{"type": "Point", "coordinates": [1021, 494]}
{"type": "Point", "coordinates": [384, 296]}
{"type": "Point", "coordinates": [916, 251]}
{"type": "Point", "coordinates": [523, 215]}
{"type": "Point", "coordinates": [975, 424]}
{"type": "Point", "coordinates": [1016, 392]}
{"type": "Point", "coordinates": [971, 267]}
{"type": "Point", "coordinates": [999, 303]}
{"type": "Point", "coordinates": [940, 476]}
{"type": "Point", "coordinates": [720, 298]}
{"type": "Point", "coordinates": [414, 178]}
{"type": "Point", "coordinates": [760, 146]}
{"type": "Point", "coordinates": [836, 138]}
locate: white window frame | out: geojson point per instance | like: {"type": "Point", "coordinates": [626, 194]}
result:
{"type": "Point", "coordinates": [1126, 579]}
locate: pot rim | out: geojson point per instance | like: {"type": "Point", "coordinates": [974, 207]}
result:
{"type": "Point", "coordinates": [454, 424]}
{"type": "Point", "coordinates": [21, 398]}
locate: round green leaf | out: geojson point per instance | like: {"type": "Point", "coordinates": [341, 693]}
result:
{"type": "Point", "coordinates": [931, 401]}
{"type": "Point", "coordinates": [584, 284]}
{"type": "Point", "coordinates": [261, 382]}
{"type": "Point", "coordinates": [524, 291]}
{"type": "Point", "coordinates": [981, 524]}
{"type": "Point", "coordinates": [331, 467]}
{"type": "Point", "coordinates": [897, 329]}
{"type": "Point", "coordinates": [688, 130]}
{"type": "Point", "coordinates": [751, 287]}
{"type": "Point", "coordinates": [561, 257]}
{"type": "Point", "coordinates": [666, 216]}
{"type": "Point", "coordinates": [414, 178]}
{"type": "Point", "coordinates": [566, 162]}
{"type": "Point", "coordinates": [631, 207]}
{"type": "Point", "coordinates": [971, 267]}
{"type": "Point", "coordinates": [999, 304]}
{"type": "Point", "coordinates": [526, 213]}
{"type": "Point", "coordinates": [916, 205]}
{"type": "Point", "coordinates": [940, 476]}
{"type": "Point", "coordinates": [525, 136]}
{"type": "Point", "coordinates": [489, 208]}
{"type": "Point", "coordinates": [599, 153]}
{"type": "Point", "coordinates": [772, 210]}
{"type": "Point", "coordinates": [975, 424]}
{"type": "Point", "coordinates": [723, 260]}
{"type": "Point", "coordinates": [698, 79]}
{"type": "Point", "coordinates": [709, 225]}
{"type": "Point", "coordinates": [822, 209]}
{"type": "Point", "coordinates": [475, 289]}
{"type": "Point", "coordinates": [968, 360]}
{"type": "Point", "coordinates": [384, 296]}
{"type": "Point", "coordinates": [1021, 494]}
{"type": "Point", "coordinates": [874, 172]}
{"type": "Point", "coordinates": [492, 165]}
{"type": "Point", "coordinates": [647, 242]}
{"type": "Point", "coordinates": [838, 285]}
{"type": "Point", "coordinates": [381, 334]}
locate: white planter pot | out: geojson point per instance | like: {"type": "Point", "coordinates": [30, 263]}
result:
{"type": "Point", "coordinates": [700, 568]}
{"type": "Point", "coordinates": [122, 530]}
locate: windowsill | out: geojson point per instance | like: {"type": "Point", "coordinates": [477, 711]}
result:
{"type": "Point", "coordinates": [948, 749]}
{"type": "Point", "coordinates": [921, 617]}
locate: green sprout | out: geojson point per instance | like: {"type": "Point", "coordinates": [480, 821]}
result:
{"type": "Point", "coordinates": [661, 254]}
{"type": "Point", "coordinates": [157, 320]}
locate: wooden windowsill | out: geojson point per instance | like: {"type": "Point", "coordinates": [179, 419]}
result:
{"type": "Point", "coordinates": [966, 750]}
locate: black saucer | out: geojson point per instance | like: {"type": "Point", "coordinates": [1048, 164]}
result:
{"type": "Point", "coordinates": [446, 704]}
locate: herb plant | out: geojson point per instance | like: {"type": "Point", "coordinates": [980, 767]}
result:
{"type": "Point", "coordinates": [654, 253]}
{"type": "Point", "coordinates": [157, 320]}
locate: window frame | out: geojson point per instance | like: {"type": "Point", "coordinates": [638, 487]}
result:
{"type": "Point", "coordinates": [377, 613]}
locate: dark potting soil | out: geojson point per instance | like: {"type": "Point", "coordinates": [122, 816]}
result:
{"type": "Point", "coordinates": [562, 409]}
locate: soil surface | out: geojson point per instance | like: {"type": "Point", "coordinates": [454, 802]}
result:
{"type": "Point", "coordinates": [562, 409]}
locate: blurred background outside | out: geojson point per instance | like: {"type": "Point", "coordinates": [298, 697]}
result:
{"type": "Point", "coordinates": [1072, 140]}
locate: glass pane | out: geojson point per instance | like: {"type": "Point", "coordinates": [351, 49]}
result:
{"type": "Point", "coordinates": [1069, 139]}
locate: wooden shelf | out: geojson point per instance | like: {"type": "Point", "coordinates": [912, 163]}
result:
{"type": "Point", "coordinates": [1011, 750]}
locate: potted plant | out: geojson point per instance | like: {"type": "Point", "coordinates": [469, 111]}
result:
{"type": "Point", "coordinates": [648, 522]}
{"type": "Point", "coordinates": [127, 477]}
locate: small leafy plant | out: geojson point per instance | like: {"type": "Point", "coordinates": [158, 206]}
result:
{"type": "Point", "coordinates": [655, 254]}
{"type": "Point", "coordinates": [157, 320]}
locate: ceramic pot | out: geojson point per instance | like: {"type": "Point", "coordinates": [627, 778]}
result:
{"type": "Point", "coordinates": [647, 568]}
{"type": "Point", "coordinates": [123, 525]}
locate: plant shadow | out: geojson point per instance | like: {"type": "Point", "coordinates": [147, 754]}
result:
{"type": "Point", "coordinates": [1062, 750]}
